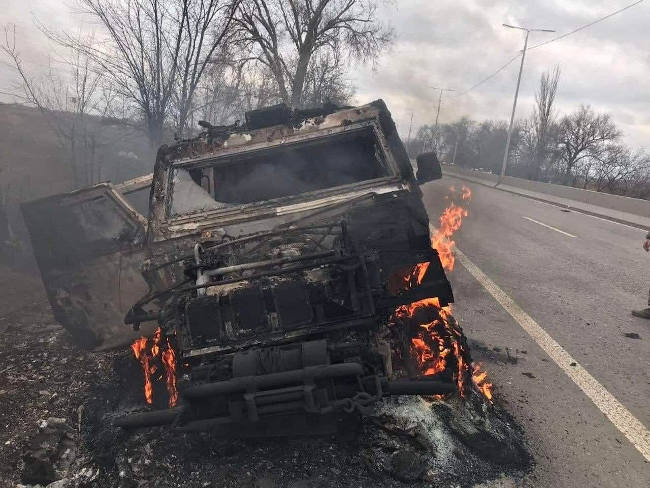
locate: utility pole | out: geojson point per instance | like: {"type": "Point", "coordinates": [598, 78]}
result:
{"type": "Point", "coordinates": [453, 160]}
{"type": "Point", "coordinates": [435, 130]}
{"type": "Point", "coordinates": [514, 104]}
{"type": "Point", "coordinates": [408, 141]}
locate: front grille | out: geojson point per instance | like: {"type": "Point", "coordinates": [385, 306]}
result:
{"type": "Point", "coordinates": [278, 304]}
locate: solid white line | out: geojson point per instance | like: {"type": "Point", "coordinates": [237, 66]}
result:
{"type": "Point", "coordinates": [549, 227]}
{"type": "Point", "coordinates": [577, 211]}
{"type": "Point", "coordinates": [620, 416]}
{"type": "Point", "coordinates": [606, 220]}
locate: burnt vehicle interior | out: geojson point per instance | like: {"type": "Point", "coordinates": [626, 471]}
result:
{"type": "Point", "coordinates": [302, 167]}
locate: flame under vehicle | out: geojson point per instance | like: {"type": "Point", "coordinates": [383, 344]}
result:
{"type": "Point", "coordinates": [273, 260]}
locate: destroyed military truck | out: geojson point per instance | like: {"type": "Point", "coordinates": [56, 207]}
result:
{"type": "Point", "coordinates": [272, 260]}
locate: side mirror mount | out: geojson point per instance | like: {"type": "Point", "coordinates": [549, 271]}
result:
{"type": "Point", "coordinates": [428, 167]}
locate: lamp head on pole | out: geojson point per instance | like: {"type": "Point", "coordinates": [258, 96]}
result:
{"type": "Point", "coordinates": [526, 28]}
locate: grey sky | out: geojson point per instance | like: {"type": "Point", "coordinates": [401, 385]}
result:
{"type": "Point", "coordinates": [456, 43]}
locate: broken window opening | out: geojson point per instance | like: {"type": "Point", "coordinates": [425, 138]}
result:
{"type": "Point", "coordinates": [139, 200]}
{"type": "Point", "coordinates": [278, 172]}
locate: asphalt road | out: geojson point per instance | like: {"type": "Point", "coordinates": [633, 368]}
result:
{"type": "Point", "coordinates": [578, 277]}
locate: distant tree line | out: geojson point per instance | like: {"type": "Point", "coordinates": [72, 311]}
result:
{"type": "Point", "coordinates": [583, 149]}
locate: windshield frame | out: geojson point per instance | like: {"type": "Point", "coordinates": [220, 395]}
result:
{"type": "Point", "coordinates": [225, 157]}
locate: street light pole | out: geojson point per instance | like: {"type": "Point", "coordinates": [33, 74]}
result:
{"type": "Point", "coordinates": [514, 103]}
{"type": "Point", "coordinates": [439, 102]}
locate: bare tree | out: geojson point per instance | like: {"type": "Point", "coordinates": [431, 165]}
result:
{"type": "Point", "coordinates": [423, 140]}
{"type": "Point", "coordinates": [637, 184]}
{"type": "Point", "coordinates": [326, 81]}
{"type": "Point", "coordinates": [584, 135]}
{"type": "Point", "coordinates": [489, 139]}
{"type": "Point", "coordinates": [156, 52]}
{"type": "Point", "coordinates": [539, 138]}
{"type": "Point", "coordinates": [231, 86]}
{"type": "Point", "coordinates": [285, 35]}
{"type": "Point", "coordinates": [207, 25]}
{"type": "Point", "coordinates": [219, 97]}
{"type": "Point", "coordinates": [470, 144]}
{"type": "Point", "coordinates": [616, 169]}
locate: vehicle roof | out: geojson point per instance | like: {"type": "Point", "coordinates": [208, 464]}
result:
{"type": "Point", "coordinates": [272, 126]}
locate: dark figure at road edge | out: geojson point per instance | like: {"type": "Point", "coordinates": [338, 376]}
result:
{"type": "Point", "coordinates": [645, 313]}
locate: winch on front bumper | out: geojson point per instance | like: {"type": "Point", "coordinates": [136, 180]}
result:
{"type": "Point", "coordinates": [301, 391]}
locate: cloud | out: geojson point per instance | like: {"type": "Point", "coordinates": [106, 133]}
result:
{"type": "Point", "coordinates": [456, 44]}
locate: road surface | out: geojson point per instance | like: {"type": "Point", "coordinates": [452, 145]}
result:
{"type": "Point", "coordinates": [575, 277]}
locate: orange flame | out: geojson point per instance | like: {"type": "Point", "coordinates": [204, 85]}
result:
{"type": "Point", "coordinates": [139, 346]}
{"type": "Point", "coordinates": [436, 341]}
{"type": "Point", "coordinates": [419, 270]}
{"type": "Point", "coordinates": [439, 341]}
{"type": "Point", "coordinates": [168, 359]}
{"type": "Point", "coordinates": [157, 337]}
{"type": "Point", "coordinates": [404, 311]}
{"type": "Point", "coordinates": [139, 351]}
{"type": "Point", "coordinates": [479, 378]}
{"type": "Point", "coordinates": [461, 368]}
{"type": "Point", "coordinates": [429, 362]}
{"type": "Point", "coordinates": [450, 221]}
{"type": "Point", "coordinates": [148, 387]}
{"type": "Point", "coordinates": [405, 278]}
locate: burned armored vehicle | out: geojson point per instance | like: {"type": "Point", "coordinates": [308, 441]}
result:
{"type": "Point", "coordinates": [275, 261]}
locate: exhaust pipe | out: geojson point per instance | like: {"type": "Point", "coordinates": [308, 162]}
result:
{"type": "Point", "coordinates": [149, 419]}
{"type": "Point", "coordinates": [418, 387]}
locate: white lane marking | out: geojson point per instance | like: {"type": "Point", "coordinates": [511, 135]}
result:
{"type": "Point", "coordinates": [620, 416]}
{"type": "Point", "coordinates": [549, 227]}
